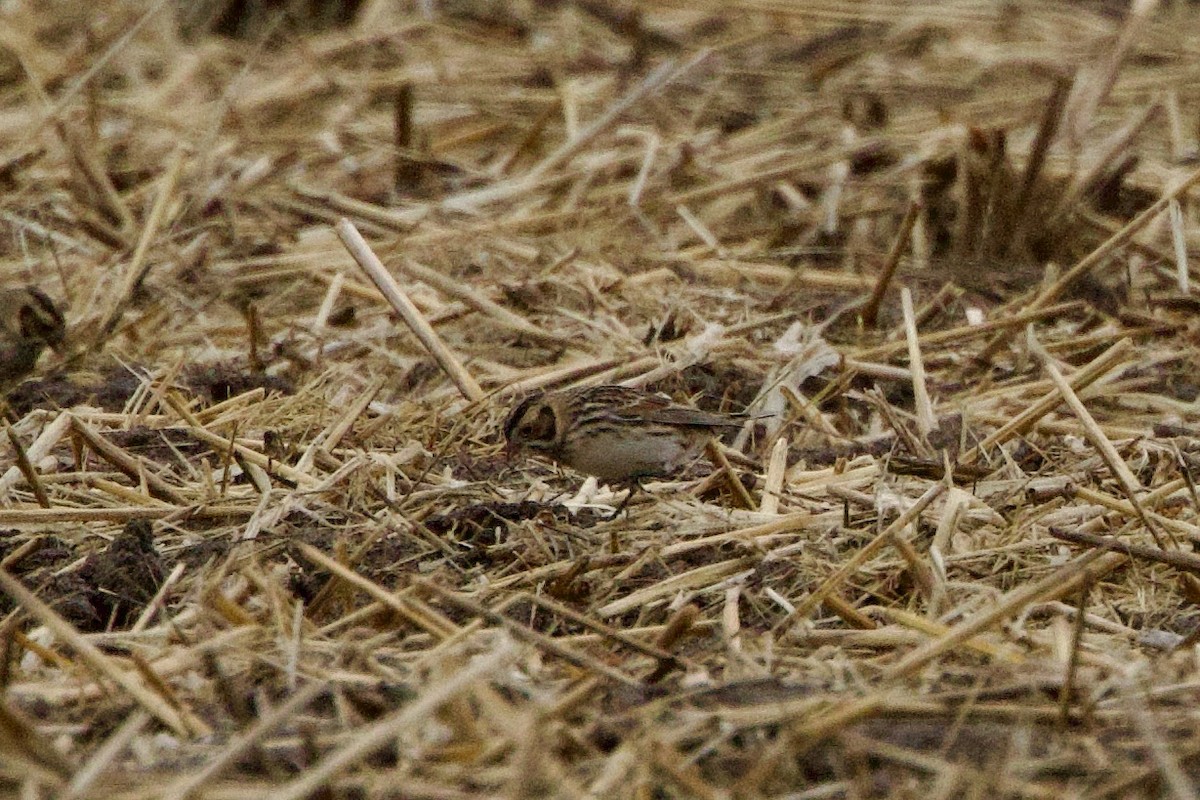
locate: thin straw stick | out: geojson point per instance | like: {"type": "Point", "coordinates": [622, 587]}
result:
{"type": "Point", "coordinates": [135, 272]}
{"type": "Point", "coordinates": [477, 300]}
{"type": "Point", "coordinates": [870, 312]}
{"type": "Point", "coordinates": [1095, 434]}
{"type": "Point", "coordinates": [370, 264]}
{"type": "Point", "coordinates": [1081, 378]}
{"type": "Point", "coordinates": [924, 408]}
{"type": "Point", "coordinates": [491, 194]}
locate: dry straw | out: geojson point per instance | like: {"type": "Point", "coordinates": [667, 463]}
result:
{"type": "Point", "coordinates": [261, 536]}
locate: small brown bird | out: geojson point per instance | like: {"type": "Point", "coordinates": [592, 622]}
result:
{"type": "Point", "coordinates": [29, 321]}
{"type": "Point", "coordinates": [618, 434]}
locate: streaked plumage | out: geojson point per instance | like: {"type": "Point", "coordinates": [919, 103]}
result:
{"type": "Point", "coordinates": [29, 321]}
{"type": "Point", "coordinates": [616, 433]}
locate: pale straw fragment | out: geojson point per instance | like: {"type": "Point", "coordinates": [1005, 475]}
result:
{"type": "Point", "coordinates": [925, 416]}
{"type": "Point", "coordinates": [373, 267]}
{"type": "Point", "coordinates": [773, 483]}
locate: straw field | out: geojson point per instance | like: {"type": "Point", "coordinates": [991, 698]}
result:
{"type": "Point", "coordinates": [261, 534]}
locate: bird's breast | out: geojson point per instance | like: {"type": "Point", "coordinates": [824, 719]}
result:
{"type": "Point", "coordinates": [615, 455]}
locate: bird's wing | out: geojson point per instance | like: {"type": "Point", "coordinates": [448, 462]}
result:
{"type": "Point", "coordinates": [681, 415]}
{"type": "Point", "coordinates": [657, 408]}
{"type": "Point", "coordinates": [634, 404]}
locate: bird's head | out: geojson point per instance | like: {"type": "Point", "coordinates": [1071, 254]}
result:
{"type": "Point", "coordinates": [534, 424]}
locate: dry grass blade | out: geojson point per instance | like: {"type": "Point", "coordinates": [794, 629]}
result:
{"type": "Point", "coordinates": [935, 629]}
{"type": "Point", "coordinates": [567, 150]}
{"type": "Point", "coordinates": [541, 641]}
{"type": "Point", "coordinates": [132, 467]}
{"type": "Point", "coordinates": [402, 603]}
{"type": "Point", "coordinates": [870, 311]}
{"type": "Point", "coordinates": [27, 469]}
{"type": "Point", "coordinates": [1178, 559]}
{"type": "Point", "coordinates": [1067, 691]}
{"type": "Point", "coordinates": [926, 419]}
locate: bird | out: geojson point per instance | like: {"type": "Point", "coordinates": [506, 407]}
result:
{"type": "Point", "coordinates": [29, 321]}
{"type": "Point", "coordinates": [619, 434]}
